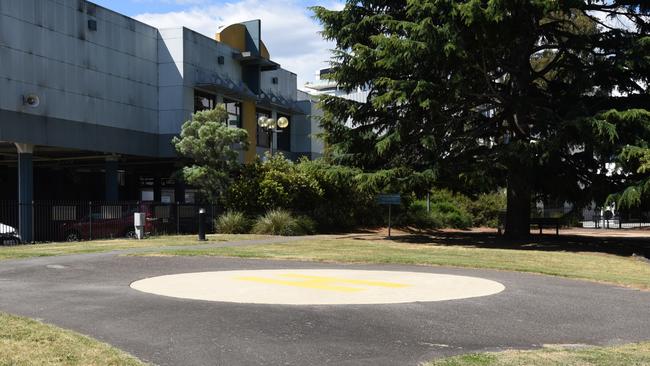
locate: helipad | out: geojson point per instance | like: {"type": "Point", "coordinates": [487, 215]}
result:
{"type": "Point", "coordinates": [318, 287]}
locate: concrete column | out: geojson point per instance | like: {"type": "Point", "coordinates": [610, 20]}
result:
{"type": "Point", "coordinates": [25, 191]}
{"type": "Point", "coordinates": [111, 183]}
{"type": "Point", "coordinates": [274, 135]}
{"type": "Point", "coordinates": [179, 191]}
{"type": "Point", "coordinates": [157, 192]}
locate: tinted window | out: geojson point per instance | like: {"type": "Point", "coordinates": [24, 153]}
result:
{"type": "Point", "coordinates": [203, 101]}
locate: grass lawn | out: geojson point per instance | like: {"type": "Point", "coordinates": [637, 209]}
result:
{"type": "Point", "coordinates": [615, 269]}
{"type": "Point", "coordinates": [52, 249]}
{"type": "Point", "coordinates": [29, 342]}
{"type": "Point", "coordinates": [627, 355]}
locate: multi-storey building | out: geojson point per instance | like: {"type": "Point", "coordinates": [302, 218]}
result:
{"type": "Point", "coordinates": [90, 100]}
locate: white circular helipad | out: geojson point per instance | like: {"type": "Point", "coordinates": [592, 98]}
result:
{"type": "Point", "coordinates": [318, 286]}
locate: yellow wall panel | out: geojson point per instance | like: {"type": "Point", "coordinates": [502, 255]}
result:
{"type": "Point", "coordinates": [249, 123]}
{"type": "Point", "coordinates": [234, 36]}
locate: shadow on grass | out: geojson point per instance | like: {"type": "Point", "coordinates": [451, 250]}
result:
{"type": "Point", "coordinates": [620, 246]}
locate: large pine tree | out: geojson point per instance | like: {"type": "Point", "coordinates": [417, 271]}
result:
{"type": "Point", "coordinates": [522, 93]}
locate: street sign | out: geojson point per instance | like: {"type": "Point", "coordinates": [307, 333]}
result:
{"type": "Point", "coordinates": [389, 199]}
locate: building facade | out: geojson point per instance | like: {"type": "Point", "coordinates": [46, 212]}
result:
{"type": "Point", "coordinates": [90, 100]}
{"type": "Point", "coordinates": [325, 86]}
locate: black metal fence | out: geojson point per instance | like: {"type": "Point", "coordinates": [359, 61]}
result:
{"type": "Point", "coordinates": [74, 220]}
{"type": "Point", "coordinates": [609, 221]}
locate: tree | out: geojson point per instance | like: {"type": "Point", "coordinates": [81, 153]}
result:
{"type": "Point", "coordinates": [489, 92]}
{"type": "Point", "coordinates": [208, 142]}
{"type": "Point", "coordinates": [633, 158]}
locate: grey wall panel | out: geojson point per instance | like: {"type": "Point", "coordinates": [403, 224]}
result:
{"type": "Point", "coordinates": [172, 120]}
{"type": "Point", "coordinates": [40, 130]}
{"type": "Point", "coordinates": [108, 77]}
{"type": "Point", "coordinates": [286, 86]}
{"type": "Point", "coordinates": [201, 54]}
{"type": "Point", "coordinates": [124, 77]}
{"type": "Point", "coordinates": [165, 147]}
{"type": "Point", "coordinates": [172, 105]}
{"type": "Point", "coordinates": [170, 45]}
{"type": "Point", "coordinates": [300, 134]}
{"type": "Point", "coordinates": [169, 74]}
{"type": "Point", "coordinates": [171, 97]}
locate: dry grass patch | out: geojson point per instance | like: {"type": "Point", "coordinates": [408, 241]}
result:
{"type": "Point", "coordinates": [29, 342]}
{"type": "Point", "coordinates": [96, 246]}
{"type": "Point", "coordinates": [627, 355]}
{"type": "Point", "coordinates": [625, 271]}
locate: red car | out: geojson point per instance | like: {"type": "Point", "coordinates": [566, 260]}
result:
{"type": "Point", "coordinates": [113, 222]}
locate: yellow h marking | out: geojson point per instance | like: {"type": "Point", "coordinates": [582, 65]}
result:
{"type": "Point", "coordinates": [322, 283]}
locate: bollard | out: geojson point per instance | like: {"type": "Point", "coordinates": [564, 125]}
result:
{"type": "Point", "coordinates": [202, 224]}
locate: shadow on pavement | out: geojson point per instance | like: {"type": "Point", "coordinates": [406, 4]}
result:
{"type": "Point", "coordinates": [568, 242]}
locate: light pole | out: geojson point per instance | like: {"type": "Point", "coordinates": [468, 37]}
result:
{"type": "Point", "coordinates": [272, 126]}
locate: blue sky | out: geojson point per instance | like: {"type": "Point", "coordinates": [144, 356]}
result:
{"type": "Point", "coordinates": [288, 29]}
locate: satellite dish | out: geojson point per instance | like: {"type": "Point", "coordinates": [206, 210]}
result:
{"type": "Point", "coordinates": [31, 100]}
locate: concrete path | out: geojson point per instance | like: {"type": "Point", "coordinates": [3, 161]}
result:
{"type": "Point", "coordinates": [91, 294]}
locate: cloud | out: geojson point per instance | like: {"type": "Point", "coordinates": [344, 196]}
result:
{"type": "Point", "coordinates": [614, 20]}
{"type": "Point", "coordinates": [174, 2]}
{"type": "Point", "coordinates": [288, 30]}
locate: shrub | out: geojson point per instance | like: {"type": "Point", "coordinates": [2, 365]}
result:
{"type": "Point", "coordinates": [451, 216]}
{"type": "Point", "coordinates": [335, 197]}
{"type": "Point", "coordinates": [306, 226]}
{"type": "Point", "coordinates": [448, 210]}
{"type": "Point", "coordinates": [276, 183]}
{"type": "Point", "coordinates": [342, 204]}
{"type": "Point", "coordinates": [486, 208]}
{"type": "Point", "coordinates": [418, 217]}
{"type": "Point", "coordinates": [233, 222]}
{"type": "Point", "coordinates": [282, 222]}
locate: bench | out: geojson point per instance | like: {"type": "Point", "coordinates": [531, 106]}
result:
{"type": "Point", "coordinates": [540, 222]}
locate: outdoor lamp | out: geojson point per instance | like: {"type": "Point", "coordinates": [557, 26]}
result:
{"type": "Point", "coordinates": [271, 123]}
{"type": "Point", "coordinates": [283, 122]}
{"type": "Point", "coordinates": [262, 122]}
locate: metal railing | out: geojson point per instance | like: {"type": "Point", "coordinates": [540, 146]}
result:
{"type": "Point", "coordinates": [83, 220]}
{"type": "Point", "coordinates": [598, 221]}
{"type": "Point", "coordinates": [9, 223]}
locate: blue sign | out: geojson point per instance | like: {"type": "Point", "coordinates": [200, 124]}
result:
{"type": "Point", "coordinates": [389, 199]}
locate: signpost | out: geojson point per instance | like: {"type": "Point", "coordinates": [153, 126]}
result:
{"type": "Point", "coordinates": [390, 200]}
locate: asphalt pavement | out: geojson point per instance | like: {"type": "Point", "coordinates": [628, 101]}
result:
{"type": "Point", "coordinates": [91, 295]}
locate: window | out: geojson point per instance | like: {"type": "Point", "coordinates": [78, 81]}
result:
{"type": "Point", "coordinates": [203, 101]}
{"type": "Point", "coordinates": [284, 137]}
{"type": "Point", "coordinates": [190, 196]}
{"type": "Point", "coordinates": [234, 112]}
{"type": "Point", "coordinates": [263, 135]}
{"type": "Point", "coordinates": [146, 195]}
{"type": "Point", "coordinates": [167, 196]}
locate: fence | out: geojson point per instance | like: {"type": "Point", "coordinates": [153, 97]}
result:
{"type": "Point", "coordinates": [74, 220]}
{"type": "Point", "coordinates": [598, 221]}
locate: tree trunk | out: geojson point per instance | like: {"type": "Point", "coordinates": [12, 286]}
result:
{"type": "Point", "coordinates": [519, 196]}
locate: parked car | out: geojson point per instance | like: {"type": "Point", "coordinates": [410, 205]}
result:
{"type": "Point", "coordinates": [102, 226]}
{"type": "Point", "coordinates": [9, 235]}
